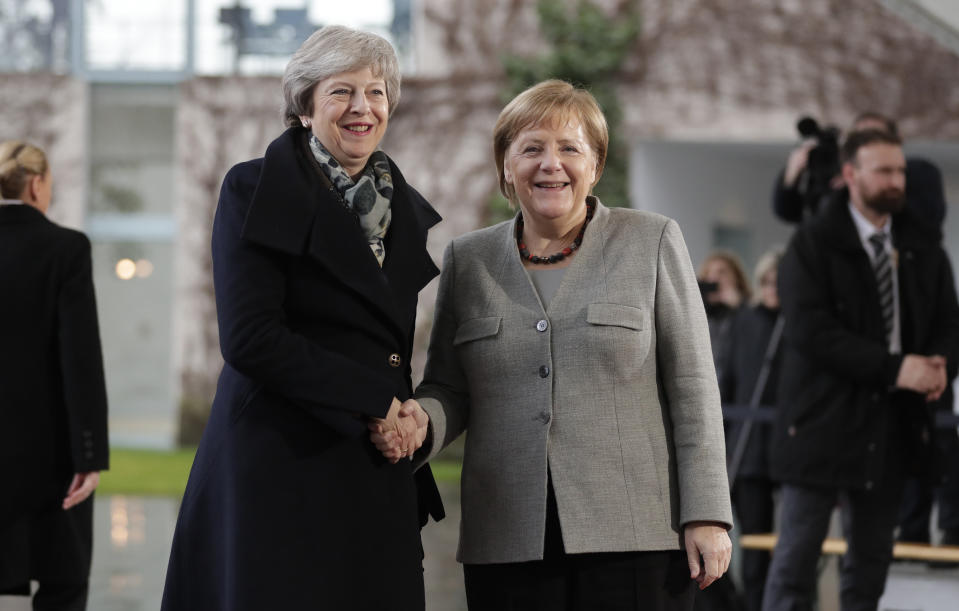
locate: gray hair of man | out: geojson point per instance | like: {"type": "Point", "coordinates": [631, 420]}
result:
{"type": "Point", "coordinates": [333, 50]}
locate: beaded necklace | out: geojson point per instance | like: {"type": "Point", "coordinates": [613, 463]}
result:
{"type": "Point", "coordinates": [554, 258]}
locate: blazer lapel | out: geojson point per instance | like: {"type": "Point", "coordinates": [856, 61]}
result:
{"type": "Point", "coordinates": [587, 268]}
{"type": "Point", "coordinates": [512, 277]}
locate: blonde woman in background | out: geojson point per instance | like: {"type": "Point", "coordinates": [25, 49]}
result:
{"type": "Point", "coordinates": [753, 339]}
{"type": "Point", "coordinates": [53, 410]}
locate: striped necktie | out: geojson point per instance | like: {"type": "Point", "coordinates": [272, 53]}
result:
{"type": "Point", "coordinates": [882, 267]}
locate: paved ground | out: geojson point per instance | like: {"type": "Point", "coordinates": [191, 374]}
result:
{"type": "Point", "coordinates": [132, 542]}
{"type": "Point", "coordinates": [132, 539]}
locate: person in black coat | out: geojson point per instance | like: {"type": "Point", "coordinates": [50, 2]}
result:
{"type": "Point", "coordinates": [319, 251]}
{"type": "Point", "coordinates": [750, 337]}
{"type": "Point", "coordinates": [53, 408]}
{"type": "Point", "coordinates": [871, 335]}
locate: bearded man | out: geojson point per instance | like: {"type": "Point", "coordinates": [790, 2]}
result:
{"type": "Point", "coordinates": [871, 334]}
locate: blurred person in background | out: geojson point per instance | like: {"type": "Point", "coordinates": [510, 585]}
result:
{"type": "Point", "coordinates": [724, 287]}
{"type": "Point", "coordinates": [53, 406]}
{"type": "Point", "coordinates": [753, 348]}
{"type": "Point", "coordinates": [572, 345]}
{"type": "Point", "coordinates": [795, 197]}
{"type": "Point", "coordinates": [937, 485]}
{"type": "Point", "coordinates": [871, 334]}
{"type": "Point", "coordinates": [319, 252]}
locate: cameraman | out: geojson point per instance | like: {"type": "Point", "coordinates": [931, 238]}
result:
{"type": "Point", "coordinates": [805, 184]}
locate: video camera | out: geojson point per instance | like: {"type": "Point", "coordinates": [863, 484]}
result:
{"type": "Point", "coordinates": [822, 165]}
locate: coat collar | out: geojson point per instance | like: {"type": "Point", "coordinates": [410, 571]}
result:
{"type": "Point", "coordinates": [294, 210]}
{"type": "Point", "coordinates": [839, 229]}
{"type": "Point", "coordinates": [20, 213]}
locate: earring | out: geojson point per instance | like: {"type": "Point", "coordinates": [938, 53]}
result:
{"type": "Point", "coordinates": [306, 124]}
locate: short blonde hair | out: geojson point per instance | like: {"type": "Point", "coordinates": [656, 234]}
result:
{"type": "Point", "coordinates": [769, 261]}
{"type": "Point", "coordinates": [334, 50]}
{"type": "Point", "coordinates": [552, 101]}
{"type": "Point", "coordinates": [18, 162]}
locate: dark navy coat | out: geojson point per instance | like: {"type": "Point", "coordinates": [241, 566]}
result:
{"type": "Point", "coordinates": [53, 404]}
{"type": "Point", "coordinates": [289, 505]}
{"type": "Point", "coordinates": [837, 406]}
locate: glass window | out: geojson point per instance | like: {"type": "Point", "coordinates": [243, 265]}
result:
{"type": "Point", "coordinates": [35, 35]}
{"type": "Point", "coordinates": [143, 36]}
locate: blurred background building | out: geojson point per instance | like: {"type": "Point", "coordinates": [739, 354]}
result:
{"type": "Point", "coordinates": [143, 106]}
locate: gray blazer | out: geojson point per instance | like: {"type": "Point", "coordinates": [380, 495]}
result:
{"type": "Point", "coordinates": [612, 386]}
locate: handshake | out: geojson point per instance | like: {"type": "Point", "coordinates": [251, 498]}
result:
{"type": "Point", "coordinates": [403, 430]}
{"type": "Point", "coordinates": [923, 374]}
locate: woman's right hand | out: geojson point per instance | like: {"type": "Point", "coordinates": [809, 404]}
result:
{"type": "Point", "coordinates": [402, 432]}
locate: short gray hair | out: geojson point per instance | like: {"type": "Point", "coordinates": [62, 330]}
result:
{"type": "Point", "coordinates": [333, 50]}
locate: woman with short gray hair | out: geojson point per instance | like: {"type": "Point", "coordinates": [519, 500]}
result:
{"type": "Point", "coordinates": [319, 251]}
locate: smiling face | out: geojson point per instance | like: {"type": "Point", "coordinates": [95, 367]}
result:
{"type": "Point", "coordinates": [551, 169]}
{"type": "Point", "coordinates": [350, 113]}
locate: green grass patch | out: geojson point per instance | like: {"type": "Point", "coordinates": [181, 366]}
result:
{"type": "Point", "coordinates": [147, 472]}
{"type": "Point", "coordinates": [164, 472]}
{"type": "Point", "coordinates": [446, 470]}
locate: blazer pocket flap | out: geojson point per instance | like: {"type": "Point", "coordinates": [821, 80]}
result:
{"type": "Point", "coordinates": [476, 328]}
{"type": "Point", "coordinates": [615, 315]}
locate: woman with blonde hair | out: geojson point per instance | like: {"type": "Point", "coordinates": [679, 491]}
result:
{"type": "Point", "coordinates": [750, 376]}
{"type": "Point", "coordinates": [53, 410]}
{"type": "Point", "coordinates": [572, 344]}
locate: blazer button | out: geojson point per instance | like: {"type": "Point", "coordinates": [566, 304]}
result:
{"type": "Point", "coordinates": [544, 417]}
{"type": "Point", "coordinates": [544, 371]}
{"type": "Point", "coordinates": [395, 360]}
{"type": "Point", "coordinates": [542, 326]}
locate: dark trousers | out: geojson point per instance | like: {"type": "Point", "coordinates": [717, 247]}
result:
{"type": "Point", "coordinates": [61, 597]}
{"type": "Point", "coordinates": [613, 581]}
{"type": "Point", "coordinates": [626, 581]}
{"type": "Point", "coordinates": [920, 494]}
{"type": "Point", "coordinates": [754, 506]}
{"type": "Point", "coordinates": [55, 596]}
{"type": "Point", "coordinates": [868, 518]}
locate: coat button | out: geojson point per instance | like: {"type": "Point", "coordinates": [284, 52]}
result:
{"type": "Point", "coordinates": [542, 326]}
{"type": "Point", "coordinates": [544, 417]}
{"type": "Point", "coordinates": [395, 360]}
{"type": "Point", "coordinates": [544, 371]}
{"type": "Point", "coordinates": [869, 485]}
{"type": "Point", "coordinates": [791, 431]}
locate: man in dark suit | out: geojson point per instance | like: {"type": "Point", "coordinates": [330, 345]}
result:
{"type": "Point", "coordinates": [53, 414]}
{"type": "Point", "coordinates": [871, 335]}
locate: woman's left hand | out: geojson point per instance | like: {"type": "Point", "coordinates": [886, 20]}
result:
{"type": "Point", "coordinates": [708, 550]}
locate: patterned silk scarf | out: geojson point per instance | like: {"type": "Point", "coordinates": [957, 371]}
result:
{"type": "Point", "coordinates": [369, 197]}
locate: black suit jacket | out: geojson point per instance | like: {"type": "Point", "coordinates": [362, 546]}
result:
{"type": "Point", "coordinates": [286, 488]}
{"type": "Point", "coordinates": [53, 410]}
{"type": "Point", "coordinates": [837, 409]}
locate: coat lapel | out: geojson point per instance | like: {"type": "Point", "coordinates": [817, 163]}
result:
{"type": "Point", "coordinates": [408, 266]}
{"type": "Point", "coordinates": [295, 211]}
